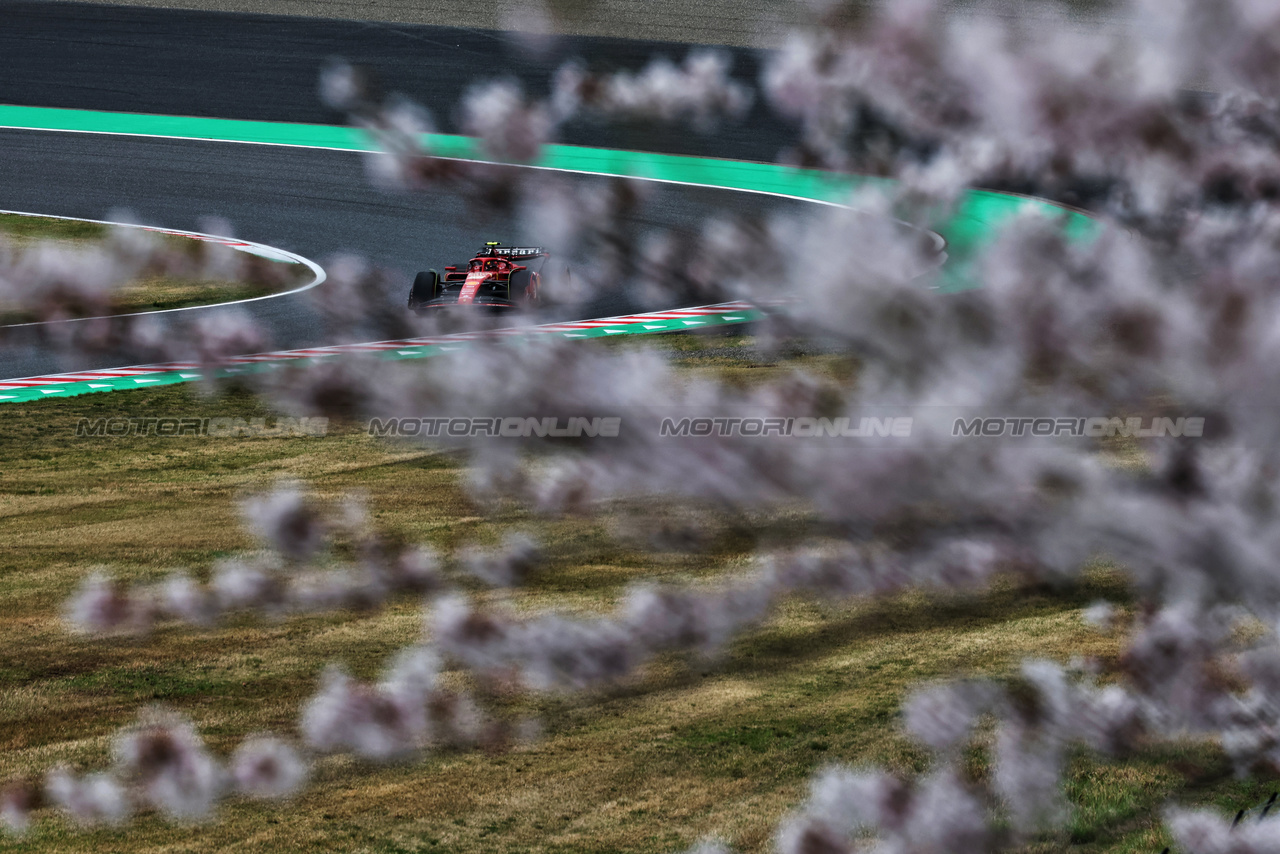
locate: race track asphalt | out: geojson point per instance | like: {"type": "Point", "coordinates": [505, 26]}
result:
{"type": "Point", "coordinates": [315, 203]}
{"type": "Point", "coordinates": [265, 67]}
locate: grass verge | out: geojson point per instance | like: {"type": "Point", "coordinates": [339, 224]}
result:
{"type": "Point", "coordinates": [690, 749]}
{"type": "Point", "coordinates": [152, 291]}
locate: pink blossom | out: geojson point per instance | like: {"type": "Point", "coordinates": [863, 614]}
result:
{"type": "Point", "coordinates": [267, 767]}
{"type": "Point", "coordinates": [105, 606]}
{"type": "Point", "coordinates": [18, 799]}
{"type": "Point", "coordinates": [943, 716]}
{"type": "Point", "coordinates": [91, 800]}
{"type": "Point", "coordinates": [699, 90]}
{"type": "Point", "coordinates": [167, 759]}
{"type": "Point", "coordinates": [349, 716]}
{"type": "Point", "coordinates": [286, 520]}
{"type": "Point", "coordinates": [509, 566]}
{"type": "Point", "coordinates": [508, 127]}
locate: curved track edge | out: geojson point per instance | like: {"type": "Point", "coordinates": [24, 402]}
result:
{"type": "Point", "coordinates": [262, 250]}
{"type": "Point", "coordinates": [967, 230]}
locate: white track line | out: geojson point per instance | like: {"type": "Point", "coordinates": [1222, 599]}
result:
{"type": "Point", "coordinates": [317, 271]}
{"type": "Point", "coordinates": [939, 239]}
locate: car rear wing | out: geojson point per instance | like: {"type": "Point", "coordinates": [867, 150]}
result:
{"type": "Point", "coordinates": [510, 252]}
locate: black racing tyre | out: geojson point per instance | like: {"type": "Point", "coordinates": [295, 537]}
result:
{"type": "Point", "coordinates": [426, 287]}
{"type": "Point", "coordinates": [523, 287]}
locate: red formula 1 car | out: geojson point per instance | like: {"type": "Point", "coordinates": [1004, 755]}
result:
{"type": "Point", "coordinates": [498, 277]}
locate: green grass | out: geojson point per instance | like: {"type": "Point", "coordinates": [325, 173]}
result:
{"type": "Point", "coordinates": [25, 228]}
{"type": "Point", "coordinates": [150, 292]}
{"type": "Point", "coordinates": [689, 749]}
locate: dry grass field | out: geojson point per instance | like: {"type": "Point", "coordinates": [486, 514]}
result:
{"type": "Point", "coordinates": [690, 749]}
